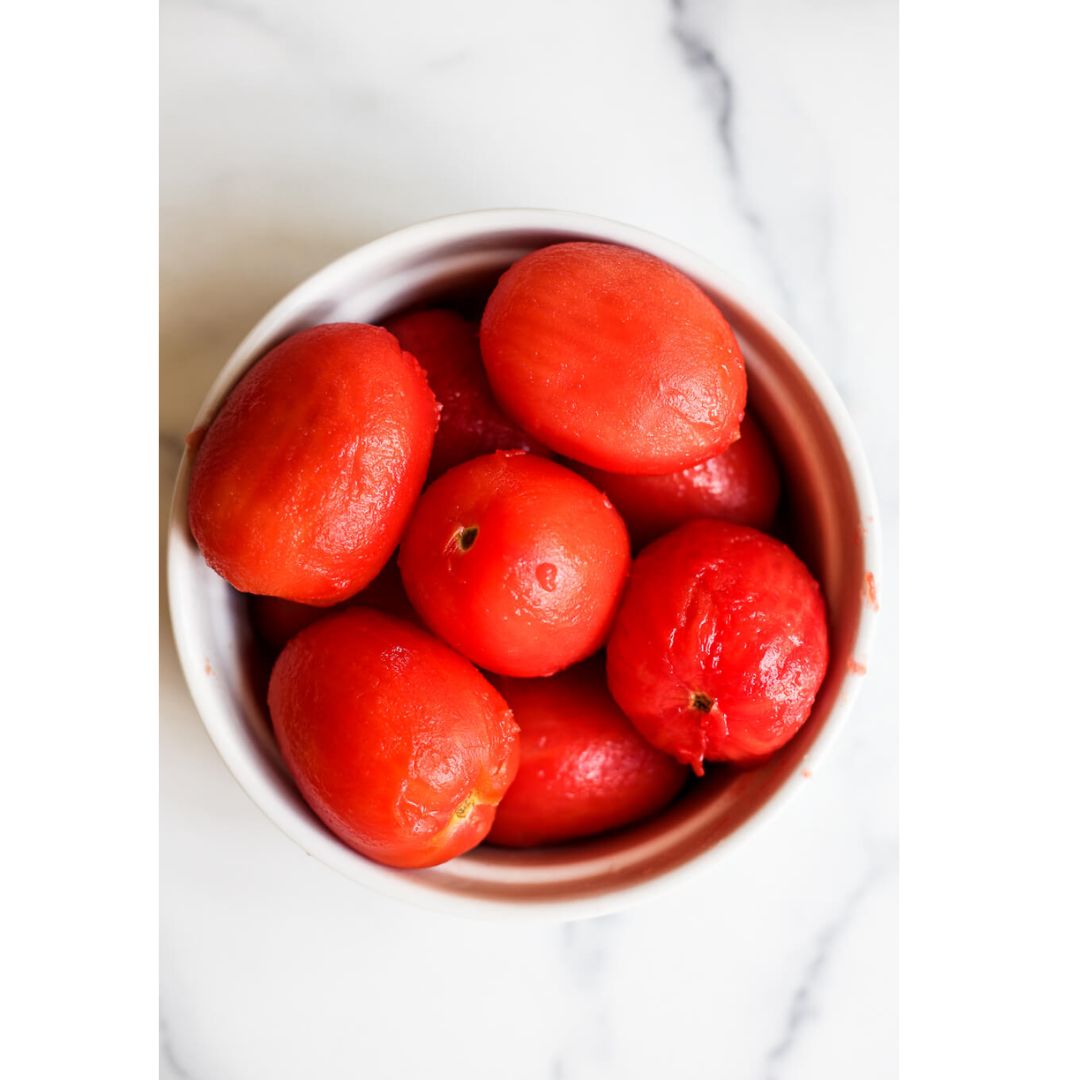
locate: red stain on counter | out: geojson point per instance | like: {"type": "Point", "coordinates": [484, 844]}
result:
{"type": "Point", "coordinates": [207, 667]}
{"type": "Point", "coordinates": [855, 667]}
{"type": "Point", "coordinates": [871, 591]}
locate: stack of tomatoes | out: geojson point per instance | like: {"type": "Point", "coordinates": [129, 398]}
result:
{"type": "Point", "coordinates": [512, 673]}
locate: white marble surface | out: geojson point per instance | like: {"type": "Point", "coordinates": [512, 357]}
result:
{"type": "Point", "coordinates": [760, 132]}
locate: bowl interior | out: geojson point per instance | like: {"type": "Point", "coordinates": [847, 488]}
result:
{"type": "Point", "coordinates": [820, 519]}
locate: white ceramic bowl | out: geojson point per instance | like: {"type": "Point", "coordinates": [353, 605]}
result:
{"type": "Point", "coordinates": [831, 512]}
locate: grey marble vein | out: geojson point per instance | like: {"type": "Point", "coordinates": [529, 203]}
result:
{"type": "Point", "coordinates": [168, 1060]}
{"type": "Point", "coordinates": [250, 15]}
{"type": "Point", "coordinates": [330, 67]}
{"type": "Point", "coordinates": [802, 1007]}
{"type": "Point", "coordinates": [448, 60]}
{"type": "Point", "coordinates": [705, 63]}
{"type": "Point", "coordinates": [587, 954]}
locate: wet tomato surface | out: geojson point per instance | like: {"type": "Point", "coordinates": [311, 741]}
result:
{"type": "Point", "coordinates": [584, 768]}
{"type": "Point", "coordinates": [614, 358]}
{"type": "Point", "coordinates": [517, 562]}
{"type": "Point", "coordinates": [304, 480]}
{"type": "Point", "coordinates": [470, 421]}
{"type": "Point", "coordinates": [741, 485]}
{"type": "Point", "coordinates": [720, 644]}
{"type": "Point", "coordinates": [401, 746]}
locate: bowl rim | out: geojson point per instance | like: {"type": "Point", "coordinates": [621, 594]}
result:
{"type": "Point", "coordinates": [216, 716]}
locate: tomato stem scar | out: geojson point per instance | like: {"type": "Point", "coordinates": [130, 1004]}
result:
{"type": "Point", "coordinates": [466, 537]}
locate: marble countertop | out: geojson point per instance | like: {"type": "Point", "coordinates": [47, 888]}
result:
{"type": "Point", "coordinates": [762, 134]}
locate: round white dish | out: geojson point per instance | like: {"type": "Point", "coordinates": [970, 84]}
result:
{"type": "Point", "coordinates": [831, 510]}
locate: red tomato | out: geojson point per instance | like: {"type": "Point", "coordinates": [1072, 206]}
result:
{"type": "Point", "coordinates": [741, 485]}
{"type": "Point", "coordinates": [584, 767]}
{"type": "Point", "coordinates": [305, 478]}
{"type": "Point", "coordinates": [517, 562]}
{"type": "Point", "coordinates": [720, 644]}
{"type": "Point", "coordinates": [275, 621]}
{"type": "Point", "coordinates": [613, 358]}
{"type": "Point", "coordinates": [470, 422]}
{"type": "Point", "coordinates": [400, 746]}
{"type": "Point", "coordinates": [387, 594]}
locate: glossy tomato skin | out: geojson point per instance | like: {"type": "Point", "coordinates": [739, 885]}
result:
{"type": "Point", "coordinates": [720, 644]}
{"type": "Point", "coordinates": [470, 421]}
{"type": "Point", "coordinates": [516, 562]}
{"type": "Point", "coordinates": [276, 621]}
{"type": "Point", "coordinates": [741, 485]}
{"type": "Point", "coordinates": [613, 358]}
{"type": "Point", "coordinates": [401, 747]}
{"type": "Point", "coordinates": [584, 768]}
{"type": "Point", "coordinates": [304, 480]}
